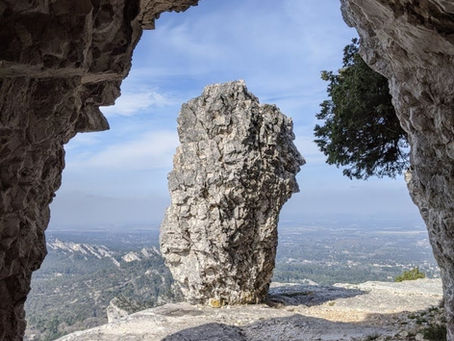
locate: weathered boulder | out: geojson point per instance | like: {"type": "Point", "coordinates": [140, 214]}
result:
{"type": "Point", "coordinates": [412, 44]}
{"type": "Point", "coordinates": [59, 61]}
{"type": "Point", "coordinates": [233, 171]}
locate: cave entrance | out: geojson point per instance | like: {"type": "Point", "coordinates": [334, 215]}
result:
{"type": "Point", "coordinates": [115, 192]}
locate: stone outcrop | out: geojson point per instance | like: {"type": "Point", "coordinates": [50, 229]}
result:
{"type": "Point", "coordinates": [120, 307]}
{"type": "Point", "coordinates": [353, 312]}
{"type": "Point", "coordinates": [412, 44]}
{"type": "Point", "coordinates": [233, 171]}
{"type": "Point", "coordinates": [59, 61]}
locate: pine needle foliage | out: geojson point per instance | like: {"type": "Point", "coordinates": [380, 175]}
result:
{"type": "Point", "coordinates": [360, 130]}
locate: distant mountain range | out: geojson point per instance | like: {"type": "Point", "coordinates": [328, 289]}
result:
{"type": "Point", "coordinates": [101, 251]}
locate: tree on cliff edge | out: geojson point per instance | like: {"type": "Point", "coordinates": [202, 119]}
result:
{"type": "Point", "coordinates": [360, 131]}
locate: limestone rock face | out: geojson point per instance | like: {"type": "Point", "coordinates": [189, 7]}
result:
{"type": "Point", "coordinates": [59, 61]}
{"type": "Point", "coordinates": [412, 44]}
{"type": "Point", "coordinates": [115, 312]}
{"type": "Point", "coordinates": [233, 171]}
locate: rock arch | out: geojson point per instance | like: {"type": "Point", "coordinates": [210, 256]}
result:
{"type": "Point", "coordinates": [60, 60]}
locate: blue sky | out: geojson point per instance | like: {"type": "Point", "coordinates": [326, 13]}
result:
{"type": "Point", "coordinates": [117, 178]}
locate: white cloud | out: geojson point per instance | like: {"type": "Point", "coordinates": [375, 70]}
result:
{"type": "Point", "coordinates": [279, 51]}
{"type": "Point", "coordinates": [150, 151]}
{"type": "Point", "coordinates": [129, 104]}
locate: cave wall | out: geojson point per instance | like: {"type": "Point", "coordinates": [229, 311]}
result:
{"type": "Point", "coordinates": [59, 61]}
{"type": "Point", "coordinates": [412, 44]}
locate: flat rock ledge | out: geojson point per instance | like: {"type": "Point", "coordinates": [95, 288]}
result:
{"type": "Point", "coordinates": [385, 310]}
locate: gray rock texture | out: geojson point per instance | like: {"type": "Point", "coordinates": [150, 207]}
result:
{"type": "Point", "coordinates": [59, 61]}
{"type": "Point", "coordinates": [344, 312]}
{"type": "Point", "coordinates": [412, 44]}
{"type": "Point", "coordinates": [233, 171]}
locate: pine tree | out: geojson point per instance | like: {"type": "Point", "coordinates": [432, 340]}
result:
{"type": "Point", "coordinates": [361, 131]}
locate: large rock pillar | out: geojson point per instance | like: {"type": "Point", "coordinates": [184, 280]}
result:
{"type": "Point", "coordinates": [233, 171]}
{"type": "Point", "coordinates": [412, 44]}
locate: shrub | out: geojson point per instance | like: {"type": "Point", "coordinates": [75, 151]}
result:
{"type": "Point", "coordinates": [410, 275]}
{"type": "Point", "coordinates": [435, 333]}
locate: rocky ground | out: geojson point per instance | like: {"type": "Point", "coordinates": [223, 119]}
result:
{"type": "Point", "coordinates": [368, 311]}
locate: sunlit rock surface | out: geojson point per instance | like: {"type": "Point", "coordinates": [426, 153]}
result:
{"type": "Point", "coordinates": [412, 44]}
{"type": "Point", "coordinates": [342, 312]}
{"type": "Point", "coordinates": [233, 171]}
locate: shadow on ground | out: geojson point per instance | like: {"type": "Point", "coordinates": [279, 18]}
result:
{"type": "Point", "coordinates": [308, 295]}
{"type": "Point", "coordinates": [299, 327]}
{"type": "Point", "coordinates": [295, 327]}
